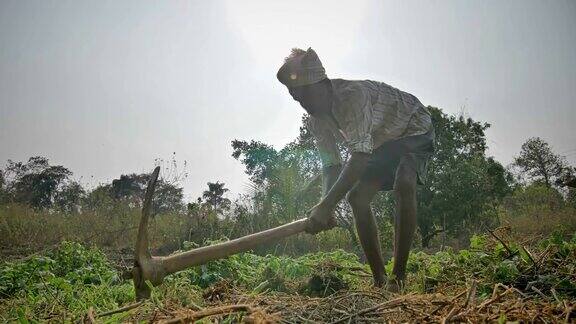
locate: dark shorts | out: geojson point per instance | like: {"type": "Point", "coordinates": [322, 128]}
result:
{"type": "Point", "coordinates": [413, 151]}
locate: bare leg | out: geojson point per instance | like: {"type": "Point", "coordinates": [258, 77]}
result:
{"type": "Point", "coordinates": [405, 222]}
{"type": "Point", "coordinates": [360, 198]}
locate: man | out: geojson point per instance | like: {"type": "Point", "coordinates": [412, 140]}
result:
{"type": "Point", "coordinates": [390, 136]}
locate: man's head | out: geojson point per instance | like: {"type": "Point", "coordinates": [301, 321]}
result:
{"type": "Point", "coordinates": [306, 80]}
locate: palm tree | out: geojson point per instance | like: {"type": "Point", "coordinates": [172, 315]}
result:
{"type": "Point", "coordinates": [214, 196]}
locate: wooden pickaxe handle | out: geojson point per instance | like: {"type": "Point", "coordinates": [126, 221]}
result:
{"type": "Point", "coordinates": [154, 269]}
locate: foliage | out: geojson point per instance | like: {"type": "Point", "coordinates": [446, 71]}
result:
{"type": "Point", "coordinates": [70, 197]}
{"type": "Point", "coordinates": [463, 190]}
{"type": "Point", "coordinates": [571, 197]}
{"type": "Point", "coordinates": [66, 280]}
{"type": "Point", "coordinates": [43, 186]}
{"type": "Point", "coordinates": [463, 184]}
{"type": "Point", "coordinates": [24, 229]}
{"type": "Point", "coordinates": [256, 156]}
{"type": "Point", "coordinates": [63, 283]}
{"type": "Point", "coordinates": [537, 162]}
{"type": "Point", "coordinates": [69, 264]}
{"type": "Point", "coordinates": [284, 181]}
{"type": "Point", "coordinates": [534, 199]}
{"type": "Point", "coordinates": [537, 210]}
{"type": "Point", "coordinates": [275, 273]}
{"type": "Point", "coordinates": [35, 182]}
{"type": "Point", "coordinates": [214, 196]}
{"type": "Point", "coordinates": [489, 262]}
{"type": "Point", "coordinates": [132, 187]}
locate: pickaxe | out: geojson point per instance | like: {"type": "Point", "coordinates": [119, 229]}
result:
{"type": "Point", "coordinates": [154, 269]}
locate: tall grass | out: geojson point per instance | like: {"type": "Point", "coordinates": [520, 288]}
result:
{"type": "Point", "coordinates": [535, 211]}
{"type": "Point", "coordinates": [24, 230]}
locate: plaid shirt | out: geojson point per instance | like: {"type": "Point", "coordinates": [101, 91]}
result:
{"type": "Point", "coordinates": [364, 115]}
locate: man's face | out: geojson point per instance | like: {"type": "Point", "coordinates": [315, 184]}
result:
{"type": "Point", "coordinates": [315, 98]}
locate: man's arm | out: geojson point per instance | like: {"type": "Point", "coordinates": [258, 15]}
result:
{"type": "Point", "coordinates": [348, 177]}
{"type": "Point", "coordinates": [320, 214]}
{"type": "Point", "coordinates": [329, 176]}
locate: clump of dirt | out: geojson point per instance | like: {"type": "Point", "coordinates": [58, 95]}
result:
{"type": "Point", "coordinates": [325, 284]}
{"type": "Point", "coordinates": [326, 280]}
{"type": "Point", "coordinates": [218, 292]}
{"type": "Point", "coordinates": [274, 281]}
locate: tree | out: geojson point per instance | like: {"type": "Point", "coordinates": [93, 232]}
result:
{"type": "Point", "coordinates": [99, 200]}
{"type": "Point", "coordinates": [131, 188]}
{"type": "Point", "coordinates": [283, 187]}
{"type": "Point", "coordinates": [537, 162]}
{"type": "Point", "coordinates": [214, 196]}
{"type": "Point", "coordinates": [262, 160]}
{"type": "Point", "coordinates": [35, 182]}
{"type": "Point", "coordinates": [463, 184]}
{"type": "Point", "coordinates": [167, 198]}
{"type": "Point", "coordinates": [257, 157]}
{"type": "Point", "coordinates": [69, 198]}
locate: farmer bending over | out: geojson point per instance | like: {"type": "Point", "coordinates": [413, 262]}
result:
{"type": "Point", "coordinates": [391, 138]}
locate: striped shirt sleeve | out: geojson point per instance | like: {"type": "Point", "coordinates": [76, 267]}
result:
{"type": "Point", "coordinates": [325, 143]}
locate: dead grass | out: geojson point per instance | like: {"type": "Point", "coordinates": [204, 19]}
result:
{"type": "Point", "coordinates": [369, 305]}
{"type": "Point", "coordinates": [24, 230]}
{"type": "Point", "coordinates": [537, 224]}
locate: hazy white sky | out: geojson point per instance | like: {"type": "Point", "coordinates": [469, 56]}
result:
{"type": "Point", "coordinates": [106, 87]}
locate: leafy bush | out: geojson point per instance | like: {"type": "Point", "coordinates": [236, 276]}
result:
{"type": "Point", "coordinates": [69, 278]}
{"type": "Point", "coordinates": [276, 273]}
{"type": "Point", "coordinates": [489, 262]}
{"type": "Point", "coordinates": [61, 268]}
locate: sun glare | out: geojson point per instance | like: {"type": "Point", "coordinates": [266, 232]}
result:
{"type": "Point", "coordinates": [270, 28]}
